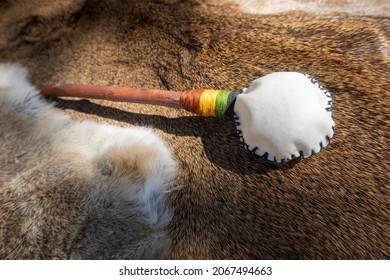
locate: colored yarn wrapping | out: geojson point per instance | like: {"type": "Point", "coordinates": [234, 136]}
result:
{"type": "Point", "coordinates": [209, 103]}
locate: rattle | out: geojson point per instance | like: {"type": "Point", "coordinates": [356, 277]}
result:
{"type": "Point", "coordinates": [280, 116]}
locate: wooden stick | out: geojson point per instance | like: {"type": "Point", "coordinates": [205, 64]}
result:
{"type": "Point", "coordinates": [207, 103]}
{"type": "Point", "coordinates": [114, 93]}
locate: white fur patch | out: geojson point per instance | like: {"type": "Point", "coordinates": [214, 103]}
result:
{"type": "Point", "coordinates": [384, 47]}
{"type": "Point", "coordinates": [148, 153]}
{"type": "Point", "coordinates": [355, 7]}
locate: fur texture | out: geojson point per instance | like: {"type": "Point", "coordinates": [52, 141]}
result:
{"type": "Point", "coordinates": [72, 189]}
{"type": "Point", "coordinates": [334, 205]}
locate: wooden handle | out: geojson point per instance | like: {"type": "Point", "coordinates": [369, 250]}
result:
{"type": "Point", "coordinates": [135, 95]}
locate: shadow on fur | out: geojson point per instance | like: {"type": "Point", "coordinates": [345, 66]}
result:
{"type": "Point", "coordinates": [222, 141]}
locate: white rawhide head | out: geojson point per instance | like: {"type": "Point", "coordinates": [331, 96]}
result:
{"type": "Point", "coordinates": [284, 115]}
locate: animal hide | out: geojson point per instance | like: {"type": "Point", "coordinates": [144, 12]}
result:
{"type": "Point", "coordinates": [233, 205]}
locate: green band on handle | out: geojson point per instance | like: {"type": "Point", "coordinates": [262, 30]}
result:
{"type": "Point", "coordinates": [221, 103]}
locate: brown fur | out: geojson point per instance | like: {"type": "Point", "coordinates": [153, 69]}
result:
{"type": "Point", "coordinates": [234, 206]}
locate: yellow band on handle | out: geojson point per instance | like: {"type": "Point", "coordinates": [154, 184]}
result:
{"type": "Point", "coordinates": [207, 103]}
